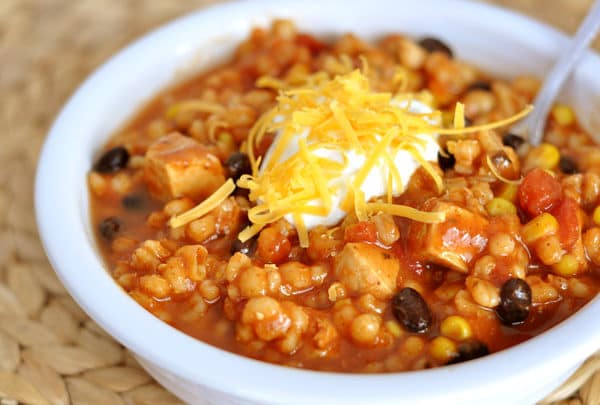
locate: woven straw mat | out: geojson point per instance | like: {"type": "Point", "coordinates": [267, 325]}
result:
{"type": "Point", "coordinates": [50, 351]}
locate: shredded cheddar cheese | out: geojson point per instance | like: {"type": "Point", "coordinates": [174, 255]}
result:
{"type": "Point", "coordinates": [459, 116]}
{"type": "Point", "coordinates": [197, 106]}
{"type": "Point", "coordinates": [323, 124]}
{"type": "Point", "coordinates": [340, 114]}
{"type": "Point", "coordinates": [497, 174]}
{"type": "Point", "coordinates": [406, 212]}
{"type": "Point", "coordinates": [205, 206]}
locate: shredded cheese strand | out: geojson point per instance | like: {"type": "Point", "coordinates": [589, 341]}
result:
{"type": "Point", "coordinates": [497, 174]}
{"type": "Point", "coordinates": [270, 82]}
{"type": "Point", "coordinates": [484, 127]}
{"type": "Point", "coordinates": [302, 232]}
{"type": "Point", "coordinates": [282, 142]}
{"type": "Point", "coordinates": [205, 206]}
{"type": "Point", "coordinates": [406, 212]}
{"type": "Point", "coordinates": [255, 135]}
{"type": "Point", "coordinates": [318, 177]}
{"type": "Point", "coordinates": [345, 125]}
{"type": "Point", "coordinates": [374, 157]}
{"type": "Point", "coordinates": [317, 113]}
{"type": "Point", "coordinates": [459, 116]}
{"type": "Point", "coordinates": [250, 231]}
{"type": "Point", "coordinates": [195, 105]}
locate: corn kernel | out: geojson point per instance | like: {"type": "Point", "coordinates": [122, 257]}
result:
{"type": "Point", "coordinates": [456, 327]}
{"type": "Point", "coordinates": [413, 345]}
{"type": "Point", "coordinates": [442, 349]}
{"type": "Point", "coordinates": [508, 192]}
{"type": "Point", "coordinates": [539, 227]}
{"type": "Point", "coordinates": [549, 250]}
{"type": "Point", "coordinates": [500, 206]}
{"type": "Point", "coordinates": [596, 215]}
{"type": "Point", "coordinates": [545, 156]}
{"type": "Point", "coordinates": [563, 115]}
{"type": "Point", "coordinates": [567, 266]}
{"type": "Point", "coordinates": [394, 328]}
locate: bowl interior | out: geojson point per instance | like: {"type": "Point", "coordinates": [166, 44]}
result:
{"type": "Point", "coordinates": [499, 42]}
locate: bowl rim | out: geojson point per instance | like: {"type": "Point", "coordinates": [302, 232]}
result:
{"type": "Point", "coordinates": [59, 228]}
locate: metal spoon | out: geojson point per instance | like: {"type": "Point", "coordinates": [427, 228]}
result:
{"type": "Point", "coordinates": [544, 100]}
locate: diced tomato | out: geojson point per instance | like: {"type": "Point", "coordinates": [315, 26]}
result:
{"type": "Point", "coordinates": [398, 250]}
{"type": "Point", "coordinates": [272, 246]}
{"type": "Point", "coordinates": [539, 192]}
{"type": "Point", "coordinates": [361, 232]}
{"type": "Point", "coordinates": [566, 214]}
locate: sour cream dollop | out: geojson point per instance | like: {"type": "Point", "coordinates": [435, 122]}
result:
{"type": "Point", "coordinates": [375, 183]}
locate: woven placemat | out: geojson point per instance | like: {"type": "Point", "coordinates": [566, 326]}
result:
{"type": "Point", "coordinates": [50, 351]}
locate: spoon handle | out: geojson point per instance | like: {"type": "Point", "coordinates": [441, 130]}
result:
{"type": "Point", "coordinates": [560, 72]}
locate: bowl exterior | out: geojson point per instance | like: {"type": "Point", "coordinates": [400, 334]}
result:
{"type": "Point", "coordinates": [199, 394]}
{"type": "Point", "coordinates": [499, 42]}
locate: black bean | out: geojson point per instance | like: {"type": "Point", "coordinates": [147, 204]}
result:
{"type": "Point", "coordinates": [515, 302]}
{"type": "Point", "coordinates": [446, 160]}
{"type": "Point", "coordinates": [112, 160]}
{"type": "Point", "coordinates": [512, 140]}
{"type": "Point", "coordinates": [431, 44]}
{"type": "Point", "coordinates": [480, 85]}
{"type": "Point", "coordinates": [109, 227]}
{"type": "Point", "coordinates": [248, 248]}
{"type": "Point", "coordinates": [133, 201]}
{"type": "Point", "coordinates": [568, 165]}
{"type": "Point", "coordinates": [470, 350]}
{"type": "Point", "coordinates": [411, 310]}
{"type": "Point", "coordinates": [237, 164]}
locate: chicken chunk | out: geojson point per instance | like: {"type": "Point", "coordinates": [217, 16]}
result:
{"type": "Point", "coordinates": [178, 166]}
{"type": "Point", "coordinates": [367, 269]}
{"type": "Point", "coordinates": [453, 243]}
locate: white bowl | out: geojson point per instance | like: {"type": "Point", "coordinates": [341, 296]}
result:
{"type": "Point", "coordinates": [498, 41]}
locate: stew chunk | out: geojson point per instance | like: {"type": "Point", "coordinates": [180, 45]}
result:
{"type": "Point", "coordinates": [178, 166]}
{"type": "Point", "coordinates": [367, 269]}
{"type": "Point", "coordinates": [452, 243]}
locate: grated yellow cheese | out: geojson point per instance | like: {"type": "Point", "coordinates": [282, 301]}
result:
{"type": "Point", "coordinates": [213, 125]}
{"type": "Point", "coordinates": [484, 127]}
{"type": "Point", "coordinates": [406, 212]}
{"type": "Point", "coordinates": [271, 83]}
{"type": "Point", "coordinates": [497, 174]}
{"type": "Point", "coordinates": [205, 206]}
{"type": "Point", "coordinates": [197, 106]}
{"type": "Point", "coordinates": [459, 115]}
{"type": "Point", "coordinates": [342, 114]}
